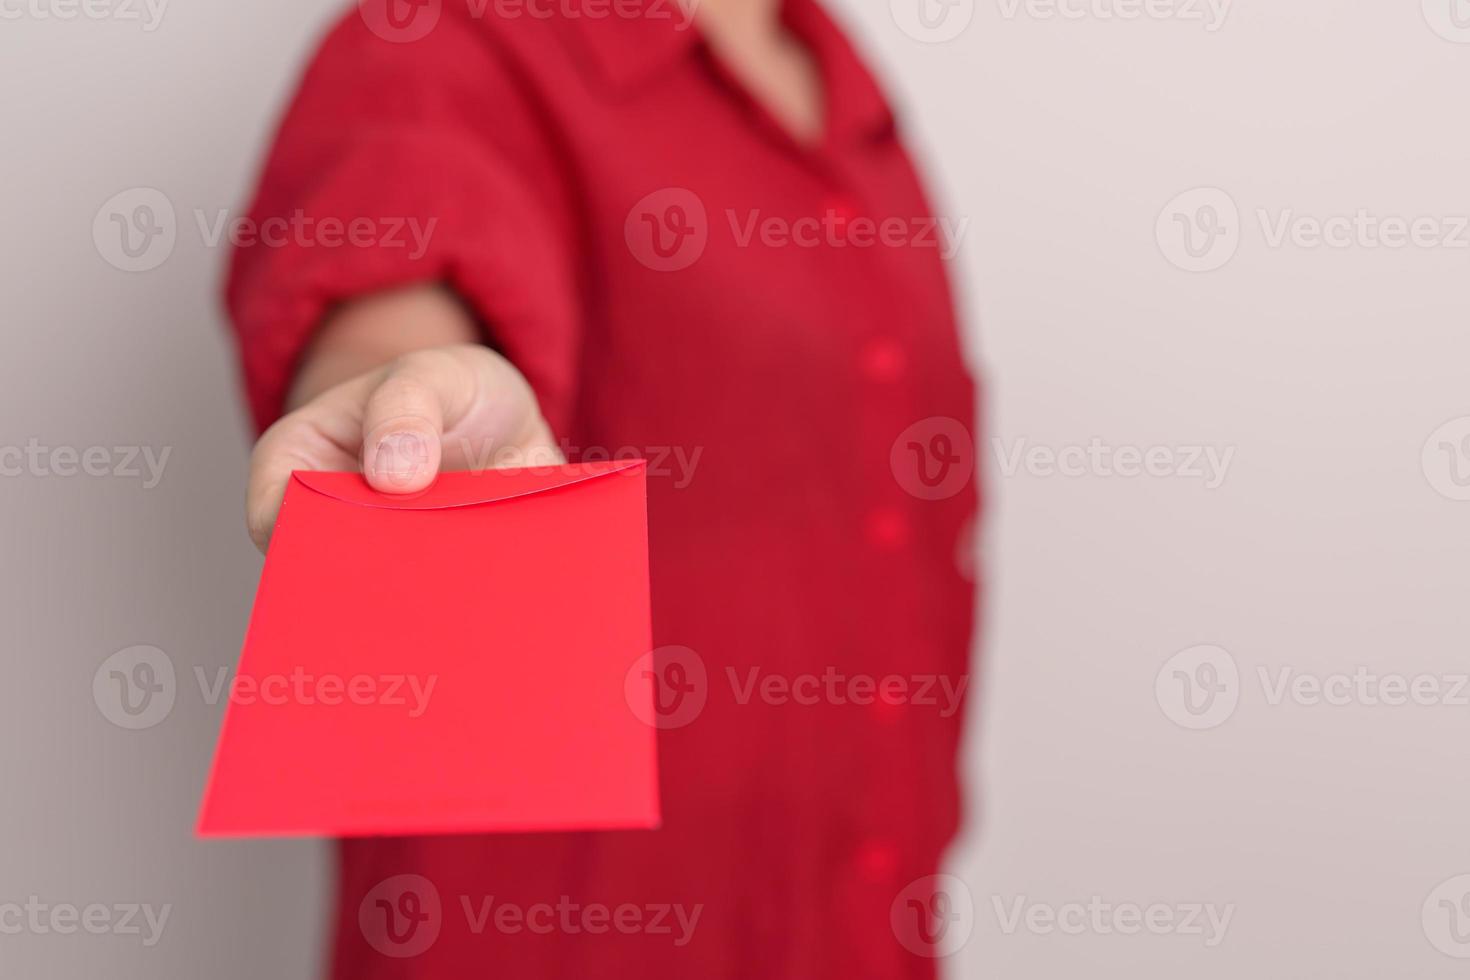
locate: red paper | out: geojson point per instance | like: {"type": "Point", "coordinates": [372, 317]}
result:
{"type": "Point", "coordinates": [509, 607]}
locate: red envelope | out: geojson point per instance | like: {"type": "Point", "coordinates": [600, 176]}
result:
{"type": "Point", "coordinates": [460, 660]}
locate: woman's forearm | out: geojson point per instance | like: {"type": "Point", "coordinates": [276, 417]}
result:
{"type": "Point", "coordinates": [376, 330]}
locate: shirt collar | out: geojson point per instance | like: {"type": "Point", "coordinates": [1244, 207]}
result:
{"type": "Point", "coordinates": [855, 105]}
{"type": "Point", "coordinates": [637, 41]}
{"type": "Point", "coordinates": [631, 50]}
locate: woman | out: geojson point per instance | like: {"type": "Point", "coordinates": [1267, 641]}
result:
{"type": "Point", "coordinates": [700, 239]}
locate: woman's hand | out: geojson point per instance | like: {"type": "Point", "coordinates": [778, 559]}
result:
{"type": "Point", "coordinates": [459, 406]}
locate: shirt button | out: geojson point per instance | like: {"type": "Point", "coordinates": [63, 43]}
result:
{"type": "Point", "coordinates": [886, 528]}
{"type": "Point", "coordinates": [842, 210]}
{"type": "Point", "coordinates": [885, 711]}
{"type": "Point", "coordinates": [883, 360]}
{"type": "Point", "coordinates": [877, 859]}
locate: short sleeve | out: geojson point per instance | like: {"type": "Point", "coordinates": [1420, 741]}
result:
{"type": "Point", "coordinates": [398, 164]}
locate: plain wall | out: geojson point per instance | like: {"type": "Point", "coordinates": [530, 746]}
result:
{"type": "Point", "coordinates": [1332, 542]}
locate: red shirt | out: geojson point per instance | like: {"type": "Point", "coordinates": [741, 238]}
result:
{"type": "Point", "coordinates": [770, 325]}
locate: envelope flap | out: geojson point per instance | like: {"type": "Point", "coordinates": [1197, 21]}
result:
{"type": "Point", "coordinates": [465, 489]}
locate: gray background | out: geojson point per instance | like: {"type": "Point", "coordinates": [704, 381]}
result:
{"type": "Point", "coordinates": [1329, 545]}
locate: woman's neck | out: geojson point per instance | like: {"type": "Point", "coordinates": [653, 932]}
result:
{"type": "Point", "coordinates": [739, 23]}
{"type": "Point", "coordinates": [750, 38]}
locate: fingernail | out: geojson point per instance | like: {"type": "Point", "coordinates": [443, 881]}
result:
{"type": "Point", "coordinates": [400, 457]}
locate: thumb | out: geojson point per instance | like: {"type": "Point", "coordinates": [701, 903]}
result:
{"type": "Point", "coordinates": [403, 422]}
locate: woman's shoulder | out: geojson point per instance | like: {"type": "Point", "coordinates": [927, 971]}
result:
{"type": "Point", "coordinates": [453, 34]}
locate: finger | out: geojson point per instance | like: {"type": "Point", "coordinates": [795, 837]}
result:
{"type": "Point", "coordinates": [404, 418]}
{"type": "Point", "coordinates": [321, 436]}
{"type": "Point", "coordinates": [498, 423]}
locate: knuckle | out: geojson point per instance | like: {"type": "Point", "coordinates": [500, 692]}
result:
{"type": "Point", "coordinates": [433, 379]}
{"type": "Point", "coordinates": [400, 399]}
{"type": "Point", "coordinates": [430, 362]}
